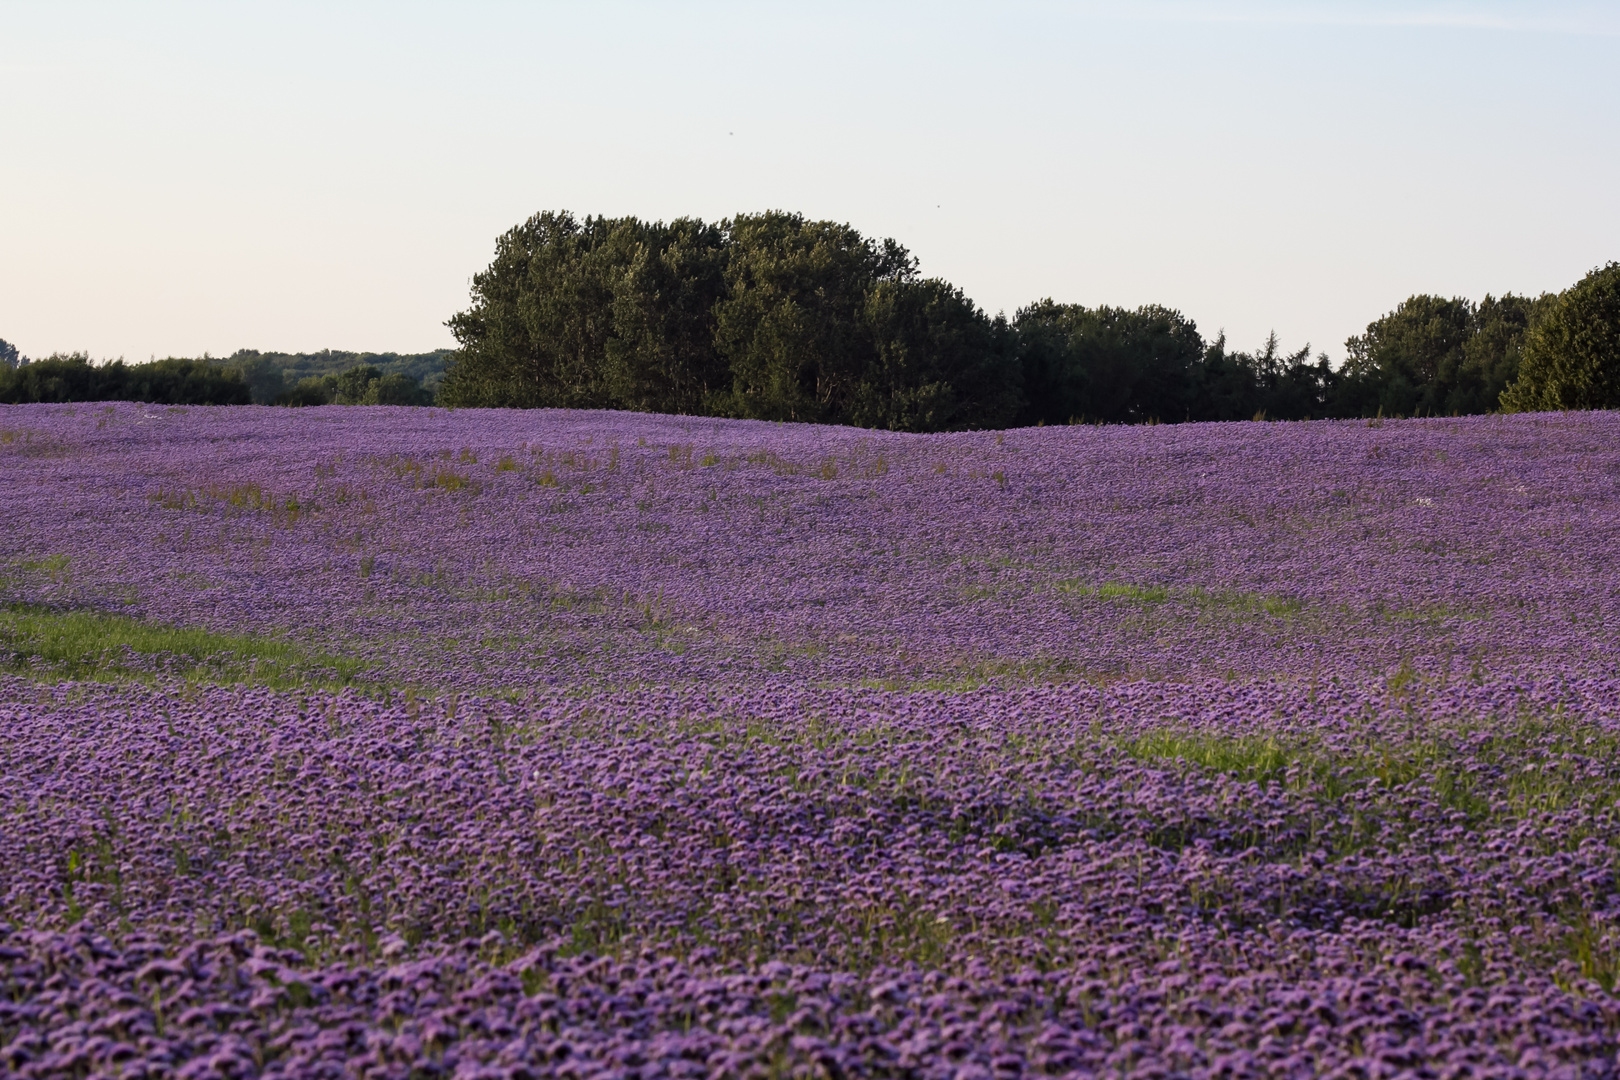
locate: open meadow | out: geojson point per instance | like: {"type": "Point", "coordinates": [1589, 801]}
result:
{"type": "Point", "coordinates": [399, 742]}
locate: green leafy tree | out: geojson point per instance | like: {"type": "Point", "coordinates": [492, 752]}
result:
{"type": "Point", "coordinates": [792, 328]}
{"type": "Point", "coordinates": [939, 363]}
{"type": "Point", "coordinates": [173, 381]}
{"type": "Point", "coordinates": [661, 355]}
{"type": "Point", "coordinates": [1571, 356]}
{"type": "Point", "coordinates": [1406, 362]}
{"type": "Point", "coordinates": [1436, 357]}
{"type": "Point", "coordinates": [542, 314]}
{"type": "Point", "coordinates": [1226, 385]}
{"type": "Point", "coordinates": [313, 390]}
{"type": "Point", "coordinates": [1494, 353]}
{"type": "Point", "coordinates": [265, 379]}
{"type": "Point", "coordinates": [353, 386]}
{"type": "Point", "coordinates": [272, 374]}
{"type": "Point", "coordinates": [397, 388]}
{"type": "Point", "coordinates": [362, 384]}
{"type": "Point", "coordinates": [1268, 384]}
{"type": "Point", "coordinates": [1106, 364]}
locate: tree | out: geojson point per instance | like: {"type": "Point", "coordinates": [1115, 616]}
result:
{"type": "Point", "coordinates": [314, 390]}
{"type": "Point", "coordinates": [1571, 356]}
{"type": "Point", "coordinates": [362, 384]}
{"type": "Point", "coordinates": [1268, 384]}
{"type": "Point", "coordinates": [661, 356]}
{"type": "Point", "coordinates": [1106, 364]}
{"type": "Point", "coordinates": [9, 356]}
{"type": "Point", "coordinates": [352, 387]}
{"type": "Point", "coordinates": [1493, 355]}
{"type": "Point", "coordinates": [1436, 357]}
{"type": "Point", "coordinates": [397, 388]}
{"type": "Point", "coordinates": [939, 363]}
{"type": "Point", "coordinates": [542, 314]}
{"type": "Point", "coordinates": [1406, 362]}
{"type": "Point", "coordinates": [180, 381]}
{"type": "Point", "coordinates": [265, 380]}
{"type": "Point", "coordinates": [173, 381]}
{"type": "Point", "coordinates": [792, 327]}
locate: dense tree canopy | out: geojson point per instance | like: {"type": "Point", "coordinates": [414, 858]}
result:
{"type": "Point", "coordinates": [542, 315]}
{"type": "Point", "coordinates": [779, 317]}
{"type": "Point", "coordinates": [1106, 364]}
{"type": "Point", "coordinates": [362, 384]}
{"type": "Point", "coordinates": [937, 362]}
{"type": "Point", "coordinates": [1433, 356]}
{"type": "Point", "coordinates": [1572, 354]}
{"type": "Point", "coordinates": [73, 378]}
{"type": "Point", "coordinates": [770, 316]}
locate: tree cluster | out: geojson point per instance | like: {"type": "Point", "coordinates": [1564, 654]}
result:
{"type": "Point", "coordinates": [1571, 355]}
{"type": "Point", "coordinates": [362, 384]}
{"type": "Point", "coordinates": [769, 316]}
{"type": "Point", "coordinates": [247, 377]}
{"type": "Point", "coordinates": [774, 316]}
{"type": "Point", "coordinates": [74, 378]}
{"type": "Point", "coordinates": [311, 378]}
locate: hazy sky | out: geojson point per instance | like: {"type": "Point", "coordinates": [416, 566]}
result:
{"type": "Point", "coordinates": [181, 178]}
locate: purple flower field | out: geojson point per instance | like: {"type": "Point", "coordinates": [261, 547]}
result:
{"type": "Point", "coordinates": [402, 742]}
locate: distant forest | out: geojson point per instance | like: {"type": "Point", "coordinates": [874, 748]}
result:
{"type": "Point", "coordinates": [330, 377]}
{"type": "Point", "coordinates": [774, 316]}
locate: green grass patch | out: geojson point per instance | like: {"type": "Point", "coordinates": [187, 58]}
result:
{"type": "Point", "coordinates": [1433, 614]}
{"type": "Point", "coordinates": [91, 645]}
{"type": "Point", "coordinates": [51, 564]}
{"type": "Point", "coordinates": [1499, 770]}
{"type": "Point", "coordinates": [1248, 603]}
{"type": "Point", "coordinates": [1115, 590]}
{"type": "Point", "coordinates": [1242, 603]}
{"type": "Point", "coordinates": [1248, 757]}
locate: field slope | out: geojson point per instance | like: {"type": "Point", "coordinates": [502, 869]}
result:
{"type": "Point", "coordinates": [405, 742]}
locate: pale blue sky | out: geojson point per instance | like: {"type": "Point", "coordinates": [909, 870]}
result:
{"type": "Point", "coordinates": [181, 178]}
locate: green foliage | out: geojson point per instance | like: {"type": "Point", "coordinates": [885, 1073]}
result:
{"type": "Point", "coordinates": [1266, 385]}
{"type": "Point", "coordinates": [1572, 355]}
{"type": "Point", "coordinates": [359, 385]}
{"type": "Point", "coordinates": [1494, 353]}
{"type": "Point", "coordinates": [661, 356]}
{"type": "Point", "coordinates": [1436, 357]}
{"type": "Point", "coordinates": [774, 316]}
{"type": "Point", "coordinates": [246, 377]}
{"type": "Point", "coordinates": [96, 645]}
{"type": "Point", "coordinates": [939, 363]}
{"type": "Point", "coordinates": [266, 380]}
{"type": "Point", "coordinates": [314, 390]}
{"type": "Point", "coordinates": [1106, 364]}
{"type": "Point", "coordinates": [72, 377]}
{"type": "Point", "coordinates": [793, 326]}
{"type": "Point", "coordinates": [272, 376]}
{"type": "Point", "coordinates": [769, 316]}
{"type": "Point", "coordinates": [542, 313]}
{"type": "Point", "coordinates": [397, 388]}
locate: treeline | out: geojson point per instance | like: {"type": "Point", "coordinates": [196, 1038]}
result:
{"type": "Point", "coordinates": [774, 316]}
{"type": "Point", "coordinates": [335, 377]}
{"type": "Point", "coordinates": [246, 377]}
{"type": "Point", "coordinates": [74, 378]}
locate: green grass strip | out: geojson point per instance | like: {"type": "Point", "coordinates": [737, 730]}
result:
{"type": "Point", "coordinates": [80, 644]}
